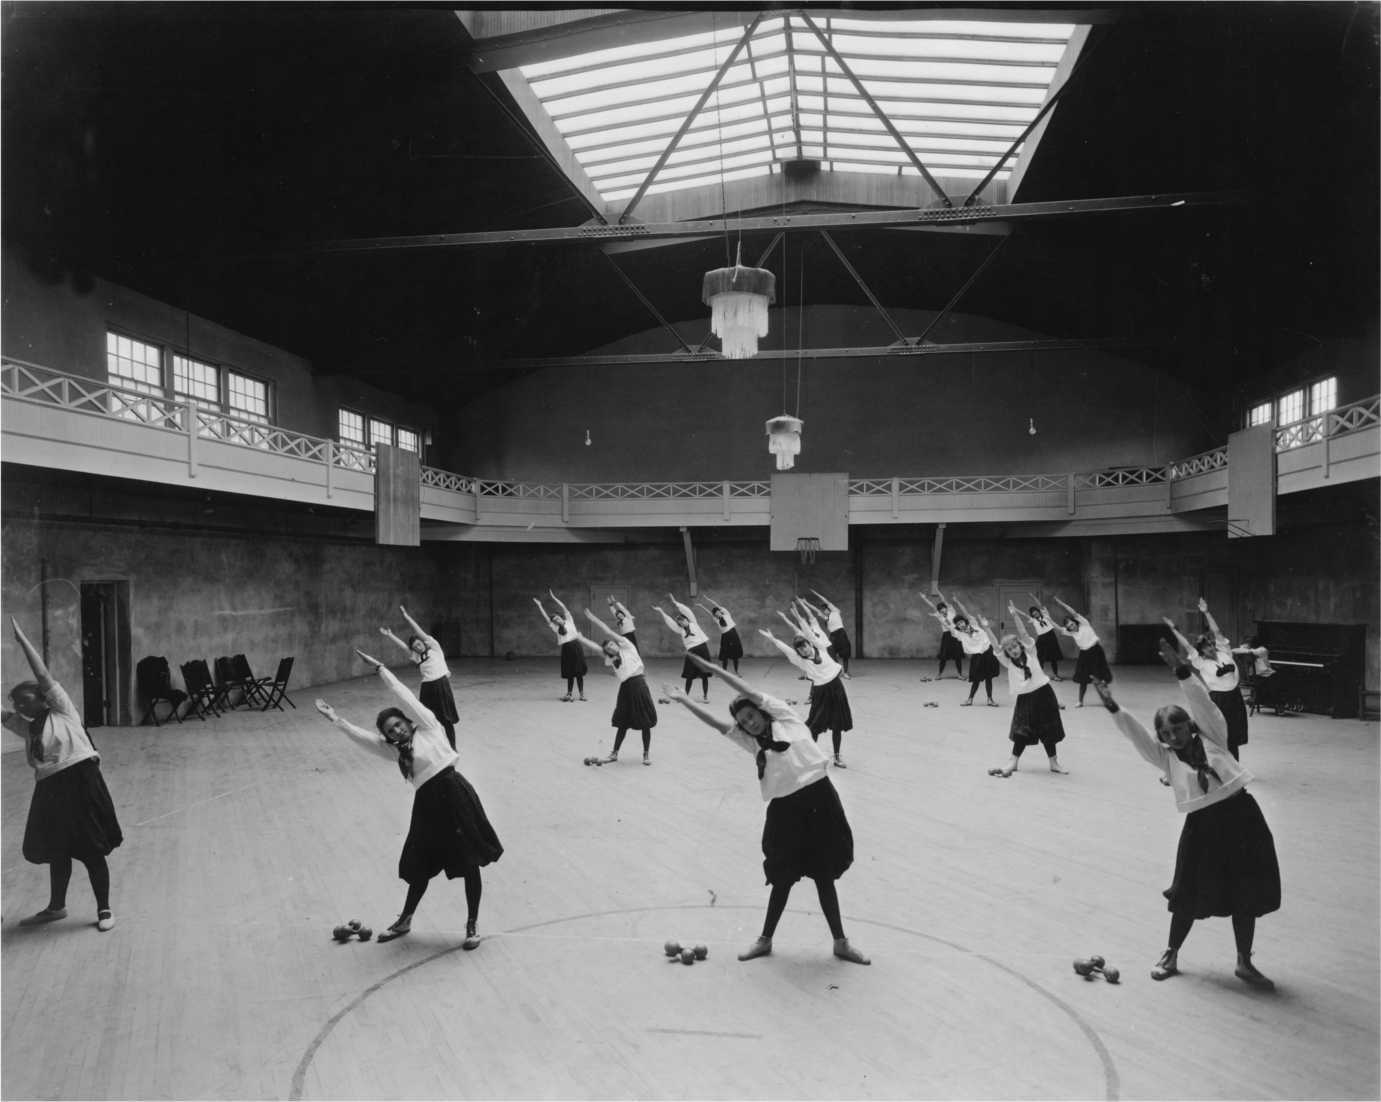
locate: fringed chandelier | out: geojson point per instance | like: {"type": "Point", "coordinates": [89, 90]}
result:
{"type": "Point", "coordinates": [738, 298]}
{"type": "Point", "coordinates": [784, 440]}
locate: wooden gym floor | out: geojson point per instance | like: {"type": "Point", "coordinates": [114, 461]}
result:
{"type": "Point", "coordinates": [249, 837]}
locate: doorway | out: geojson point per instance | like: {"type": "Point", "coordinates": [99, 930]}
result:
{"type": "Point", "coordinates": [106, 669]}
{"type": "Point", "coordinates": [1019, 594]}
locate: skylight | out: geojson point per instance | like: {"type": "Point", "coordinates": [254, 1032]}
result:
{"type": "Point", "coordinates": [958, 93]}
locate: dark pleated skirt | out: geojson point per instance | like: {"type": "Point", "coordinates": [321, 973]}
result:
{"type": "Point", "coordinates": [1092, 663]}
{"type": "Point", "coordinates": [71, 815]}
{"type": "Point", "coordinates": [634, 708]}
{"type": "Point", "coordinates": [730, 646]}
{"type": "Point", "coordinates": [950, 648]}
{"type": "Point", "coordinates": [573, 659]}
{"type": "Point", "coordinates": [1048, 648]}
{"type": "Point", "coordinates": [983, 666]}
{"type": "Point", "coordinates": [1036, 717]}
{"type": "Point", "coordinates": [449, 831]}
{"type": "Point", "coordinates": [1226, 862]}
{"type": "Point", "coordinates": [839, 643]}
{"type": "Point", "coordinates": [807, 834]}
{"type": "Point", "coordinates": [689, 669]}
{"type": "Point", "coordinates": [1234, 710]}
{"type": "Point", "coordinates": [437, 696]}
{"type": "Point", "coordinates": [829, 707]}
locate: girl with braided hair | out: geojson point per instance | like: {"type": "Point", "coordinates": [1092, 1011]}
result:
{"type": "Point", "coordinates": [1225, 863]}
{"type": "Point", "coordinates": [806, 832]}
{"type": "Point", "coordinates": [449, 831]}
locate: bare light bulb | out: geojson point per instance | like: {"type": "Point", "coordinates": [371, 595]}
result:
{"type": "Point", "coordinates": [587, 438]}
{"type": "Point", "coordinates": [1031, 426]}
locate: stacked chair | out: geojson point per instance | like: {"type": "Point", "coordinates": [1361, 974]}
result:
{"type": "Point", "coordinates": [155, 684]}
{"type": "Point", "coordinates": [201, 690]}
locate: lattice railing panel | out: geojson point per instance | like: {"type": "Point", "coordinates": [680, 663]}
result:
{"type": "Point", "coordinates": [445, 480]}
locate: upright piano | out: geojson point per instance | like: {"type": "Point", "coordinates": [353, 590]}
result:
{"type": "Point", "coordinates": [1318, 667]}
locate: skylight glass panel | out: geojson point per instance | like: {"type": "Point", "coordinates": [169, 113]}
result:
{"type": "Point", "coordinates": [958, 91]}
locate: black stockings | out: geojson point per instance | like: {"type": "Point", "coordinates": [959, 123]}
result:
{"type": "Point", "coordinates": [60, 874]}
{"type": "Point", "coordinates": [829, 904]}
{"type": "Point", "coordinates": [1243, 931]}
{"type": "Point", "coordinates": [579, 682]}
{"type": "Point", "coordinates": [474, 888]}
{"type": "Point", "coordinates": [987, 687]}
{"type": "Point", "coordinates": [704, 683]}
{"type": "Point", "coordinates": [647, 739]}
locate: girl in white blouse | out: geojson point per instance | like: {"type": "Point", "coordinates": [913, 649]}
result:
{"type": "Point", "coordinates": [449, 831]}
{"type": "Point", "coordinates": [435, 691]}
{"type": "Point", "coordinates": [806, 832]}
{"type": "Point", "coordinates": [695, 642]}
{"type": "Point", "coordinates": [1092, 664]}
{"type": "Point", "coordinates": [730, 645]}
{"type": "Point", "coordinates": [809, 653]}
{"type": "Point", "coordinates": [1036, 715]}
{"type": "Point", "coordinates": [1212, 659]}
{"type": "Point", "coordinates": [834, 627]}
{"type": "Point", "coordinates": [624, 623]}
{"type": "Point", "coordinates": [1047, 643]}
{"type": "Point", "coordinates": [1225, 862]}
{"type": "Point", "coordinates": [573, 665]}
{"type": "Point", "coordinates": [634, 707]}
{"type": "Point", "coordinates": [950, 648]}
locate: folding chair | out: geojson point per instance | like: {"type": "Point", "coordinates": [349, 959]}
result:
{"type": "Point", "coordinates": [255, 688]}
{"type": "Point", "coordinates": [155, 684]}
{"type": "Point", "coordinates": [228, 682]}
{"type": "Point", "coordinates": [201, 690]}
{"type": "Point", "coordinates": [278, 687]}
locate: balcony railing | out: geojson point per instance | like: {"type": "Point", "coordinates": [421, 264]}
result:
{"type": "Point", "coordinates": [35, 383]}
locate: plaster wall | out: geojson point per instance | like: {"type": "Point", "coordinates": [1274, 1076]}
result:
{"type": "Point", "coordinates": [870, 416]}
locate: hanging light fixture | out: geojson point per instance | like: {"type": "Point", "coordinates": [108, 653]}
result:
{"type": "Point", "coordinates": [738, 298]}
{"type": "Point", "coordinates": [784, 440]}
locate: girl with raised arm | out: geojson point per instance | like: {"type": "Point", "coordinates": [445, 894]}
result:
{"type": "Point", "coordinates": [1036, 716]}
{"type": "Point", "coordinates": [634, 707]}
{"type": "Point", "coordinates": [829, 702]}
{"type": "Point", "coordinates": [573, 665]}
{"type": "Point", "coordinates": [435, 690]}
{"type": "Point", "coordinates": [1225, 863]}
{"type": "Point", "coordinates": [1211, 657]}
{"type": "Point", "coordinates": [695, 641]}
{"type": "Point", "coordinates": [950, 648]}
{"type": "Point", "coordinates": [806, 832]}
{"type": "Point", "coordinates": [623, 621]}
{"type": "Point", "coordinates": [730, 645]}
{"type": "Point", "coordinates": [983, 666]}
{"type": "Point", "coordinates": [71, 815]}
{"type": "Point", "coordinates": [1047, 642]}
{"type": "Point", "coordinates": [1092, 664]}
{"type": "Point", "coordinates": [449, 831]}
{"type": "Point", "coordinates": [834, 628]}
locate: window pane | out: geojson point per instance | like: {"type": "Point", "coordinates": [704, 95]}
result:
{"type": "Point", "coordinates": [247, 397]}
{"type": "Point", "coordinates": [407, 440]}
{"type": "Point", "coordinates": [350, 427]}
{"type": "Point", "coordinates": [1291, 408]}
{"type": "Point", "coordinates": [380, 432]}
{"type": "Point", "coordinates": [194, 379]}
{"type": "Point", "coordinates": [1323, 395]}
{"type": "Point", "coordinates": [133, 364]}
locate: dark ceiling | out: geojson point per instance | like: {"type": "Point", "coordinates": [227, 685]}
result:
{"type": "Point", "coordinates": [196, 152]}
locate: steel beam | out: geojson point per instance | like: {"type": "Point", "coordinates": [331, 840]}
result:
{"type": "Point", "coordinates": [879, 307]}
{"type": "Point", "coordinates": [858, 219]}
{"type": "Point", "coordinates": [880, 351]}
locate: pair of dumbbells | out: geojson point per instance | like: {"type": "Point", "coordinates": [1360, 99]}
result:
{"type": "Point", "coordinates": [353, 928]}
{"type": "Point", "coordinates": [1096, 966]}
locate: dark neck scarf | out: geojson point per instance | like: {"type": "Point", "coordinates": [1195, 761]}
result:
{"type": "Point", "coordinates": [36, 737]}
{"type": "Point", "coordinates": [765, 743]}
{"type": "Point", "coordinates": [1226, 668]}
{"type": "Point", "coordinates": [1022, 663]}
{"type": "Point", "coordinates": [1192, 754]}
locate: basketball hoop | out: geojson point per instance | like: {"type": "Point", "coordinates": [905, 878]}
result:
{"type": "Point", "coordinates": [807, 546]}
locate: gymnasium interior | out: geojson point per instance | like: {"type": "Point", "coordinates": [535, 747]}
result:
{"type": "Point", "coordinates": [316, 313]}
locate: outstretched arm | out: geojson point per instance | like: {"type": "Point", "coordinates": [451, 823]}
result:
{"type": "Point", "coordinates": [1141, 739]}
{"type": "Point", "coordinates": [1218, 636]}
{"type": "Point", "coordinates": [35, 660]}
{"type": "Point", "coordinates": [1066, 607]}
{"type": "Point", "coordinates": [370, 740]}
{"type": "Point", "coordinates": [1202, 710]}
{"type": "Point", "coordinates": [388, 634]}
{"type": "Point", "coordinates": [685, 610]}
{"type": "Point", "coordinates": [1019, 618]}
{"type": "Point", "coordinates": [413, 625]}
{"type": "Point", "coordinates": [982, 622]}
{"type": "Point", "coordinates": [676, 693]}
{"type": "Point", "coordinates": [755, 695]}
{"type": "Point", "coordinates": [564, 610]}
{"type": "Point", "coordinates": [589, 644]}
{"type": "Point", "coordinates": [789, 652]}
{"type": "Point", "coordinates": [602, 626]}
{"type": "Point", "coordinates": [672, 624]}
{"type": "Point", "coordinates": [1180, 640]}
{"type": "Point", "coordinates": [537, 601]}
